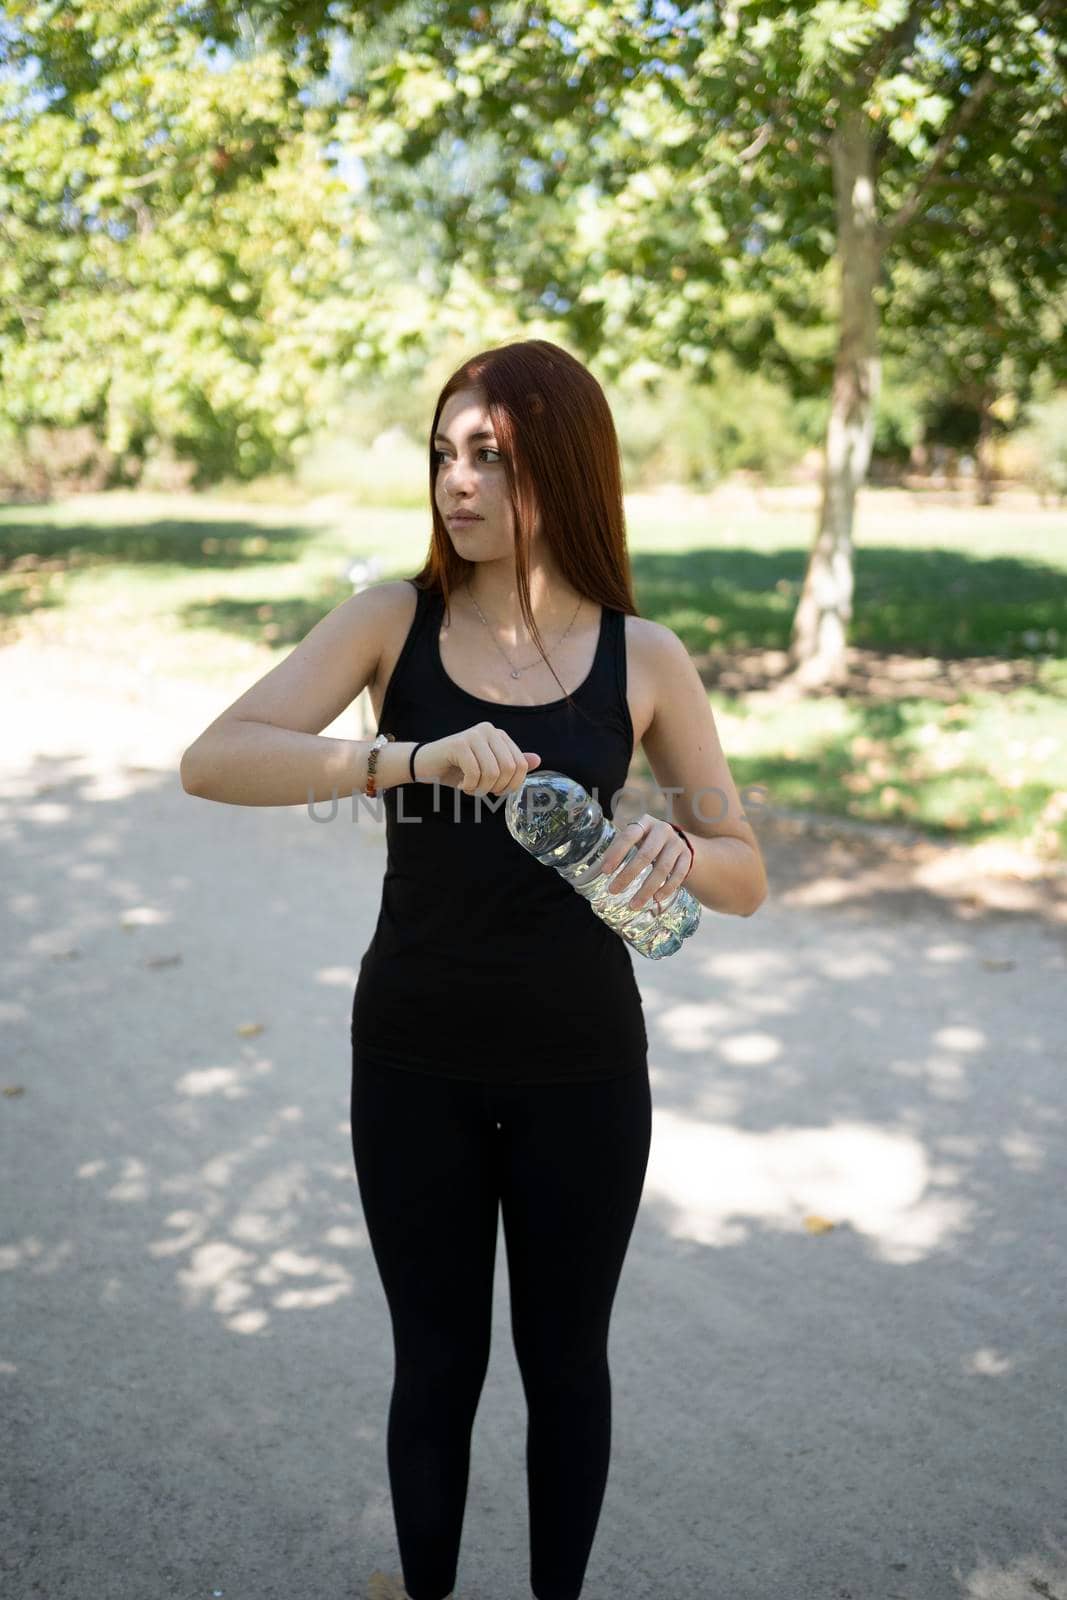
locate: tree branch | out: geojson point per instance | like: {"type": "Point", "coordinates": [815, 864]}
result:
{"type": "Point", "coordinates": [145, 223]}
{"type": "Point", "coordinates": [779, 110]}
{"type": "Point", "coordinates": [955, 225]}
{"type": "Point", "coordinates": [148, 177]}
{"type": "Point", "coordinates": [751, 151]}
{"type": "Point", "coordinates": [965, 113]}
{"type": "Point", "coordinates": [1045, 202]}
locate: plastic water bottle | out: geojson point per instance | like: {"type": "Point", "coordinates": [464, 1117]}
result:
{"type": "Point", "coordinates": [559, 823]}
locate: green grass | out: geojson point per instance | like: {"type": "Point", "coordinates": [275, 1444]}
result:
{"type": "Point", "coordinates": [985, 767]}
{"type": "Point", "coordinates": [976, 598]}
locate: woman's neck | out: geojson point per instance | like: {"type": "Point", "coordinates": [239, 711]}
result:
{"type": "Point", "coordinates": [555, 603]}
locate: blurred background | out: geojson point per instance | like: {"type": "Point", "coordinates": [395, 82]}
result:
{"type": "Point", "coordinates": [816, 257]}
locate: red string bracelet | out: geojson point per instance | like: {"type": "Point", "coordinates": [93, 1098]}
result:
{"type": "Point", "coordinates": [692, 852]}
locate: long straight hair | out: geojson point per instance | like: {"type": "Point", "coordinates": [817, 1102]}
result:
{"type": "Point", "coordinates": [561, 458]}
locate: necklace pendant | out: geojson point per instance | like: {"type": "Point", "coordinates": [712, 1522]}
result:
{"type": "Point", "coordinates": [514, 674]}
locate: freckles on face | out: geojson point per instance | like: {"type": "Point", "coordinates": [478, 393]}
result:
{"type": "Point", "coordinates": [468, 463]}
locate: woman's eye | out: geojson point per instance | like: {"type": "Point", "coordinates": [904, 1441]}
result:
{"type": "Point", "coordinates": [439, 455]}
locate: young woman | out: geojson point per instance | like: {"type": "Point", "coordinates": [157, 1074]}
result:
{"type": "Point", "coordinates": [499, 1053]}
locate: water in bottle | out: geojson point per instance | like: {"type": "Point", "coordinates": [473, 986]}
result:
{"type": "Point", "coordinates": [557, 821]}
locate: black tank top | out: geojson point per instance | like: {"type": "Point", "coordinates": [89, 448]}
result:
{"type": "Point", "coordinates": [484, 963]}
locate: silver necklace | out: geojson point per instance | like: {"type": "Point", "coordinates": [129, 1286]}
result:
{"type": "Point", "coordinates": [515, 671]}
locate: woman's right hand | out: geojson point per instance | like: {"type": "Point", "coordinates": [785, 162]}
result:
{"type": "Point", "coordinates": [479, 760]}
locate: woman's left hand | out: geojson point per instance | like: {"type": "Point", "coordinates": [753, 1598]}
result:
{"type": "Point", "coordinates": [657, 842]}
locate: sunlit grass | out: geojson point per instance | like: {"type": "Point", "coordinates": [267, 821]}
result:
{"type": "Point", "coordinates": [985, 767]}
{"type": "Point", "coordinates": [220, 589]}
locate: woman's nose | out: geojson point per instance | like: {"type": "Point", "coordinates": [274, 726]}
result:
{"type": "Point", "coordinates": [454, 480]}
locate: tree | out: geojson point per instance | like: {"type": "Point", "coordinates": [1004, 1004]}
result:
{"type": "Point", "coordinates": [180, 254]}
{"type": "Point", "coordinates": [978, 332]}
{"type": "Point", "coordinates": [669, 182]}
{"type": "Point", "coordinates": [180, 260]}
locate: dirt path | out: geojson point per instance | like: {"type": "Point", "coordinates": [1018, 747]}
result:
{"type": "Point", "coordinates": [838, 1345]}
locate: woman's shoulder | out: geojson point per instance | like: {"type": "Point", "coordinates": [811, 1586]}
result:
{"type": "Point", "coordinates": [649, 641]}
{"type": "Point", "coordinates": [398, 600]}
{"type": "Point", "coordinates": [661, 659]}
{"type": "Point", "coordinates": [398, 596]}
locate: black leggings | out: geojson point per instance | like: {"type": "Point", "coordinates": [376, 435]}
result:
{"type": "Point", "coordinates": [565, 1162]}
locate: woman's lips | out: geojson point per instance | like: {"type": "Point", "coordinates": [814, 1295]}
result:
{"type": "Point", "coordinates": [460, 517]}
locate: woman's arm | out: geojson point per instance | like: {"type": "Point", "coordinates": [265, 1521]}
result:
{"type": "Point", "coordinates": [266, 749]}
{"type": "Point", "coordinates": [687, 761]}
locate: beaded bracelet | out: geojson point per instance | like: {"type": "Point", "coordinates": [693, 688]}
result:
{"type": "Point", "coordinates": [371, 786]}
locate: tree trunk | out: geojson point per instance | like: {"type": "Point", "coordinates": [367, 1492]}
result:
{"type": "Point", "coordinates": [984, 471]}
{"type": "Point", "coordinates": [817, 651]}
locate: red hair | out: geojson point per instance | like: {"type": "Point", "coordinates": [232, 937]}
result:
{"type": "Point", "coordinates": [561, 458]}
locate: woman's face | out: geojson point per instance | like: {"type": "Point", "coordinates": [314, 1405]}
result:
{"type": "Point", "coordinates": [470, 477]}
